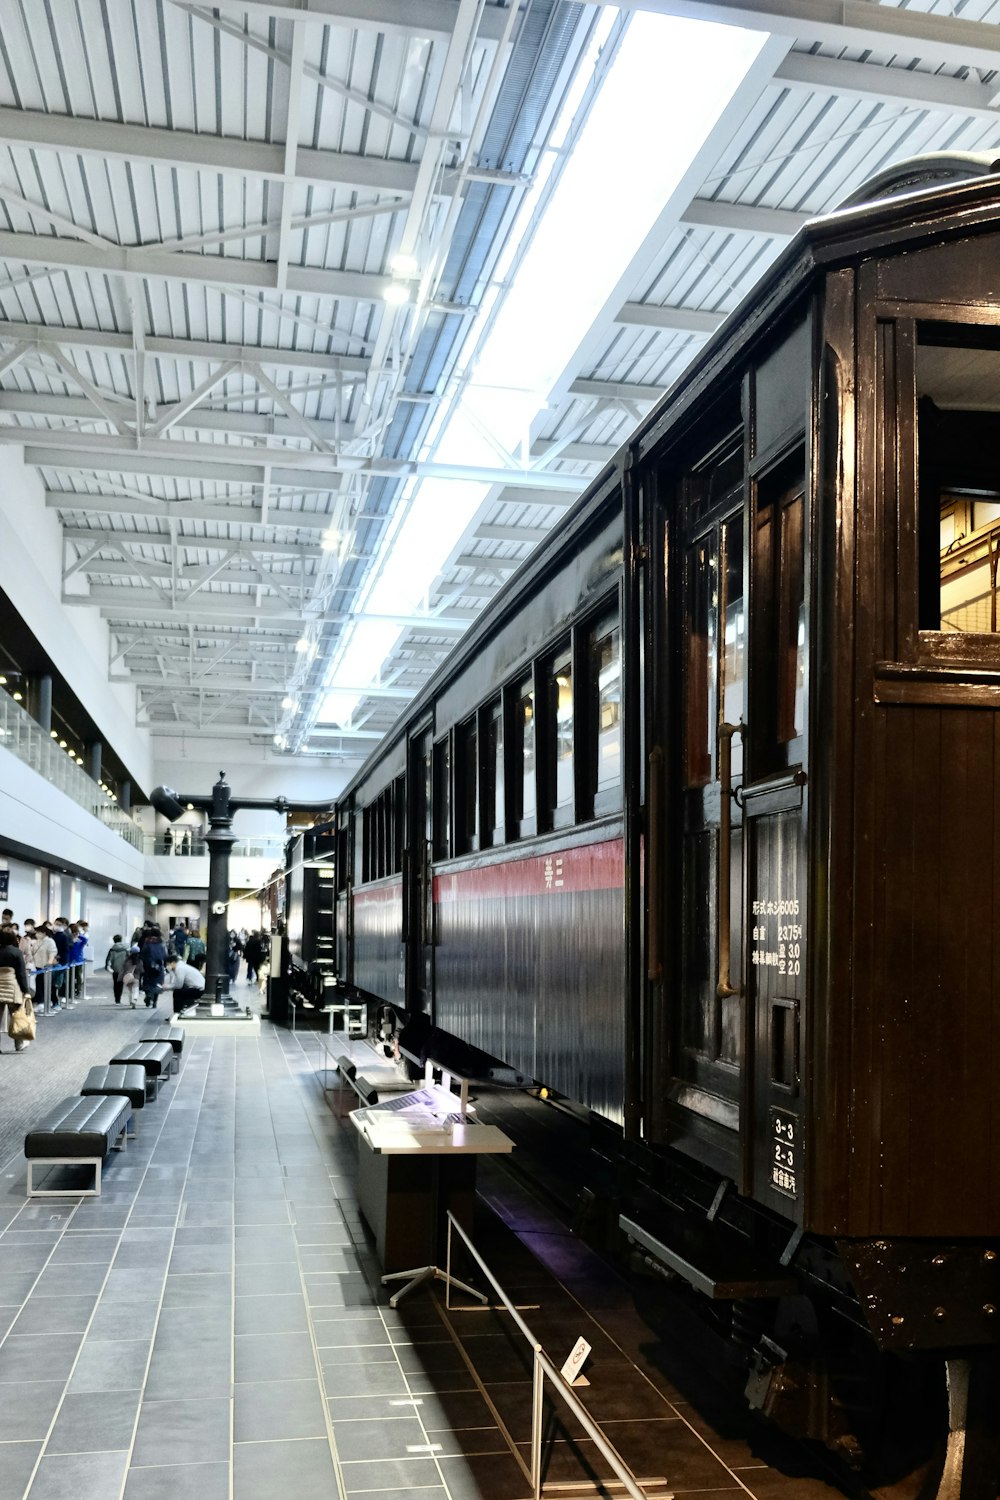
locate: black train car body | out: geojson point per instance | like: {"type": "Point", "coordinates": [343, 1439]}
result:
{"type": "Point", "coordinates": [699, 824]}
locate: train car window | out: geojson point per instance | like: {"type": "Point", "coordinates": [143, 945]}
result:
{"type": "Point", "coordinates": [442, 800]}
{"type": "Point", "coordinates": [777, 710]}
{"type": "Point", "coordinates": [359, 845]}
{"type": "Point", "coordinates": [734, 637]}
{"type": "Point", "coordinates": [399, 823]}
{"type": "Point", "coordinates": [605, 695]}
{"type": "Point", "coordinates": [699, 694]}
{"type": "Point", "coordinates": [558, 739]}
{"type": "Point", "coordinates": [492, 807]}
{"type": "Point", "coordinates": [524, 750]}
{"type": "Point", "coordinates": [958, 478]}
{"type": "Point", "coordinates": [467, 787]}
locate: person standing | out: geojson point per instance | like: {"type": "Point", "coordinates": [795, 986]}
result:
{"type": "Point", "coordinates": [78, 945]}
{"type": "Point", "coordinates": [115, 962]}
{"type": "Point", "coordinates": [60, 935]}
{"type": "Point", "coordinates": [13, 980]}
{"type": "Point", "coordinates": [45, 956]}
{"type": "Point", "coordinates": [154, 957]}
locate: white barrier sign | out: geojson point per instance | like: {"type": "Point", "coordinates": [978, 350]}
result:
{"type": "Point", "coordinates": [571, 1369]}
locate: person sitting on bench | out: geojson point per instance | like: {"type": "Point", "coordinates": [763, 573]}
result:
{"type": "Point", "coordinates": [185, 983]}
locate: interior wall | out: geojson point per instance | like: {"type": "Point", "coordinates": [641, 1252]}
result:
{"type": "Point", "coordinates": [76, 639]}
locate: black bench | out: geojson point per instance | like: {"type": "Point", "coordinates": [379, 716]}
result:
{"type": "Point", "coordinates": [156, 1057]}
{"type": "Point", "coordinates": [172, 1034]}
{"type": "Point", "coordinates": [118, 1078]}
{"type": "Point", "coordinates": [78, 1132]}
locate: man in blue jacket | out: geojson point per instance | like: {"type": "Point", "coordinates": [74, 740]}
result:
{"type": "Point", "coordinates": [60, 935]}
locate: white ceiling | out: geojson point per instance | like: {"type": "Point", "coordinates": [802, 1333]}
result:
{"type": "Point", "coordinates": [199, 212]}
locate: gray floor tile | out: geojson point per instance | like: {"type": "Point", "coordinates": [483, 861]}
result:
{"type": "Point", "coordinates": [90, 1423]}
{"type": "Point", "coordinates": [263, 1470]}
{"type": "Point", "coordinates": [81, 1249]}
{"type": "Point", "coordinates": [175, 1376]}
{"type": "Point", "coordinates": [220, 1235]}
{"type": "Point", "coordinates": [199, 1258]}
{"type": "Point", "coordinates": [403, 1475]}
{"type": "Point", "coordinates": [16, 1463]}
{"type": "Point", "coordinates": [285, 1313]}
{"type": "Point", "coordinates": [198, 1290]}
{"type": "Point", "coordinates": [179, 1482]}
{"type": "Point", "coordinates": [384, 1378]}
{"type": "Point", "coordinates": [55, 1315]}
{"type": "Point", "coordinates": [349, 1333]}
{"type": "Point", "coordinates": [402, 1437]}
{"type": "Point", "coordinates": [131, 1283]}
{"type": "Point", "coordinates": [84, 1476]}
{"type": "Point", "coordinates": [37, 1357]}
{"type": "Point", "coordinates": [124, 1320]}
{"type": "Point", "coordinates": [195, 1431]}
{"type": "Point", "coordinates": [274, 1356]}
{"type": "Point", "coordinates": [110, 1365]}
{"type": "Point", "coordinates": [278, 1409]}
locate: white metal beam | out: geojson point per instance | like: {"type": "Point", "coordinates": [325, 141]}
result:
{"type": "Point", "coordinates": [186, 541]}
{"type": "Point", "coordinates": [777, 223]}
{"type": "Point", "coordinates": [614, 390]}
{"type": "Point", "coordinates": [35, 335]}
{"type": "Point", "coordinates": [933, 36]}
{"type": "Point", "coordinates": [429, 18]}
{"type": "Point", "coordinates": [247, 424]}
{"type": "Point", "coordinates": [175, 265]}
{"type": "Point", "coordinates": [229, 463]}
{"type": "Point", "coordinates": [201, 152]}
{"type": "Point", "coordinates": [907, 86]}
{"type": "Point", "coordinates": [678, 319]}
{"type": "Point", "coordinates": [184, 510]}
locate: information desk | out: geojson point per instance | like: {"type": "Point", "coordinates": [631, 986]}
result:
{"type": "Point", "coordinates": [417, 1160]}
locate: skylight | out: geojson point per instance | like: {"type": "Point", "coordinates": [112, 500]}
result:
{"type": "Point", "coordinates": [664, 93]}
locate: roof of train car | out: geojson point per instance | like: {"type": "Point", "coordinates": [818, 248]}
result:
{"type": "Point", "coordinates": [907, 214]}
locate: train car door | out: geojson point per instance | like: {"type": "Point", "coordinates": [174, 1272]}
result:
{"type": "Point", "coordinates": [707, 1041]}
{"type": "Point", "coordinates": [774, 810]}
{"type": "Point", "coordinates": [418, 877]}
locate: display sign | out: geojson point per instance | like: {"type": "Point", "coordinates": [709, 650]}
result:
{"type": "Point", "coordinates": [4, 884]}
{"type": "Point", "coordinates": [570, 1371]}
{"type": "Point", "coordinates": [785, 1151]}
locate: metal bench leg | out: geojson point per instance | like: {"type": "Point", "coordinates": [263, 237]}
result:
{"type": "Point", "coordinates": [65, 1161]}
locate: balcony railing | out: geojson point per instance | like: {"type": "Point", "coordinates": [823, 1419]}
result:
{"type": "Point", "coordinates": [182, 844]}
{"type": "Point", "coordinates": [35, 746]}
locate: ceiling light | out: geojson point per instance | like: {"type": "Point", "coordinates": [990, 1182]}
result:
{"type": "Point", "coordinates": [53, 734]}
{"type": "Point", "coordinates": [330, 540]}
{"type": "Point", "coordinates": [396, 293]}
{"type": "Point", "coordinates": [302, 644]}
{"type": "Point", "coordinates": [280, 741]}
{"type": "Point", "coordinates": [289, 702]}
{"type": "Point", "coordinates": [62, 744]}
{"type": "Point", "coordinates": [18, 697]}
{"type": "Point", "coordinates": [3, 680]}
{"type": "Point", "coordinates": [190, 807]}
{"type": "Point", "coordinates": [403, 265]}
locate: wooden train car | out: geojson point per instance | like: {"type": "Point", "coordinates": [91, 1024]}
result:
{"type": "Point", "coordinates": [700, 825]}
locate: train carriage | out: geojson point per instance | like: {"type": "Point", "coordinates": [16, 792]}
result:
{"type": "Point", "coordinates": [698, 827]}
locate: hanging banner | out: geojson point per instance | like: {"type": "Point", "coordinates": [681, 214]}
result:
{"type": "Point", "coordinates": [4, 884]}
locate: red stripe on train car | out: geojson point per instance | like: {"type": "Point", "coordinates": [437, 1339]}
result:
{"type": "Point", "coordinates": [586, 867]}
{"type": "Point", "coordinates": [379, 894]}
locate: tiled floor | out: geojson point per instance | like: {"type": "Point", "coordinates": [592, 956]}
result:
{"type": "Point", "coordinates": [212, 1327]}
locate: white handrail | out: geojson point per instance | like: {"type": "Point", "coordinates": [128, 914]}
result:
{"type": "Point", "coordinates": [544, 1369]}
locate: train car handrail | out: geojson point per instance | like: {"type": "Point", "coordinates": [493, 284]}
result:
{"type": "Point", "coordinates": [544, 1369]}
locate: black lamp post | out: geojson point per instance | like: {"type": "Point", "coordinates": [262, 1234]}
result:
{"type": "Point", "coordinates": [220, 807]}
